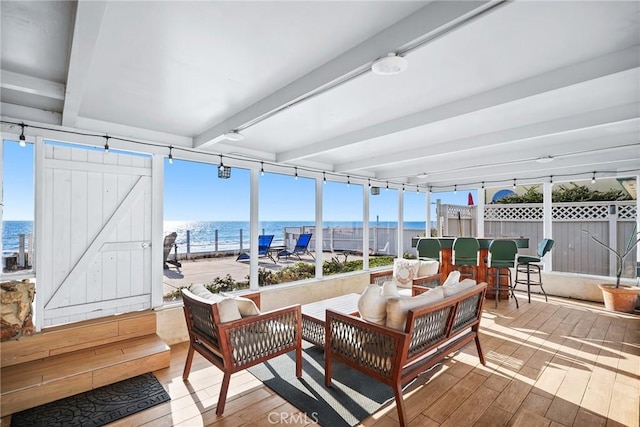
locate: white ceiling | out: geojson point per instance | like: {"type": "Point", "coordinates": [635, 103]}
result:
{"type": "Point", "coordinates": [490, 86]}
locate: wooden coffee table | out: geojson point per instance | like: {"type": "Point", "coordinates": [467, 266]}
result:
{"type": "Point", "coordinates": [314, 314]}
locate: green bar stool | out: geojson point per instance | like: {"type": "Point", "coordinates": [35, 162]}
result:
{"type": "Point", "coordinates": [502, 257]}
{"type": "Point", "coordinates": [529, 266]}
{"type": "Point", "coordinates": [429, 249]}
{"type": "Point", "coordinates": [465, 253]}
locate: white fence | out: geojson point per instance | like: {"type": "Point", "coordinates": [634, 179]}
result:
{"type": "Point", "coordinates": [573, 251]}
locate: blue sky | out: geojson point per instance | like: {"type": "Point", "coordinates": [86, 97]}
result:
{"type": "Point", "coordinates": [193, 191]}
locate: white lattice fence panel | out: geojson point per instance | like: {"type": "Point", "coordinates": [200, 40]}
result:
{"type": "Point", "coordinates": [513, 212]}
{"type": "Point", "coordinates": [627, 212]}
{"type": "Point", "coordinates": [579, 212]}
{"type": "Point", "coordinates": [466, 212]}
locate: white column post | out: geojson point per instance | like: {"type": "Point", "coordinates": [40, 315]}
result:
{"type": "Point", "coordinates": [637, 231]}
{"type": "Point", "coordinates": [547, 222]}
{"type": "Point", "coordinates": [37, 261]}
{"type": "Point", "coordinates": [157, 229]}
{"type": "Point", "coordinates": [428, 224]}
{"type": "Point", "coordinates": [400, 221]}
{"type": "Point", "coordinates": [318, 234]}
{"type": "Point", "coordinates": [254, 227]}
{"type": "Point", "coordinates": [480, 213]}
{"type": "Point", "coordinates": [365, 227]}
{"type": "Point", "coordinates": [613, 238]}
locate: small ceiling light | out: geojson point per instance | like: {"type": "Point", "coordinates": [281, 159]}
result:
{"type": "Point", "coordinates": [106, 144]}
{"type": "Point", "coordinates": [348, 181]}
{"type": "Point", "coordinates": [369, 180]}
{"type": "Point", "coordinates": [296, 173]}
{"type": "Point", "coordinates": [417, 189]}
{"type": "Point", "coordinates": [545, 159]}
{"type": "Point", "coordinates": [389, 65]}
{"type": "Point", "coordinates": [514, 183]}
{"type": "Point", "coordinates": [221, 167]}
{"type": "Point", "coordinates": [387, 186]}
{"type": "Point", "coordinates": [324, 177]}
{"type": "Point", "coordinates": [551, 180]}
{"type": "Point", "coordinates": [483, 185]}
{"type": "Point", "coordinates": [593, 179]}
{"type": "Point", "coordinates": [455, 189]}
{"type": "Point", "coordinates": [262, 168]}
{"type": "Point", "coordinates": [233, 135]}
{"type": "Point", "coordinates": [403, 188]}
{"type": "Point", "coordinates": [23, 139]}
{"type": "Point", "coordinates": [170, 155]}
{"type": "Point", "coordinates": [423, 175]}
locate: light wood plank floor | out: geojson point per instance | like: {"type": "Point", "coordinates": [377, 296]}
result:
{"type": "Point", "coordinates": [548, 364]}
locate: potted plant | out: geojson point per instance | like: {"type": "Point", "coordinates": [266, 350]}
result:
{"type": "Point", "coordinates": [618, 297]}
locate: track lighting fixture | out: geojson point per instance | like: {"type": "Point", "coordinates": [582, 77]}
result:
{"type": "Point", "coordinates": [170, 155]}
{"type": "Point", "coordinates": [106, 144]}
{"type": "Point", "coordinates": [23, 139]}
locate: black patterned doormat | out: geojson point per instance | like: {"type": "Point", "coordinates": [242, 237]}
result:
{"type": "Point", "coordinates": [96, 407]}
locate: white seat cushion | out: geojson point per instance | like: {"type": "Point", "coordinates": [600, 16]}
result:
{"type": "Point", "coordinates": [228, 310]}
{"type": "Point", "coordinates": [458, 287]}
{"type": "Point", "coordinates": [404, 271]}
{"type": "Point", "coordinates": [372, 305]}
{"type": "Point", "coordinates": [428, 268]}
{"type": "Point", "coordinates": [246, 307]}
{"type": "Point", "coordinates": [398, 307]}
{"type": "Point", "coordinates": [452, 279]}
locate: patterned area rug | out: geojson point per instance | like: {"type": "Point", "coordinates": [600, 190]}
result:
{"type": "Point", "coordinates": [96, 407]}
{"type": "Point", "coordinates": [352, 398]}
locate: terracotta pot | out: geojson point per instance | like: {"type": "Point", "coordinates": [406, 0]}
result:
{"type": "Point", "coordinates": [622, 299]}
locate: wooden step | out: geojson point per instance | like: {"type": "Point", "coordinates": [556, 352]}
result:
{"type": "Point", "coordinates": [71, 359]}
{"type": "Point", "coordinates": [76, 336]}
{"type": "Point", "coordinates": [34, 383]}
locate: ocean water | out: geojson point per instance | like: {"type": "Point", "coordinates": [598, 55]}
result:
{"type": "Point", "coordinates": [203, 233]}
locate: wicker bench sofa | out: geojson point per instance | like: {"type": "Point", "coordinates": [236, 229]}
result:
{"type": "Point", "coordinates": [432, 331]}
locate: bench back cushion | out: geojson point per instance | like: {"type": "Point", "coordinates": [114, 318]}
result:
{"type": "Point", "coordinates": [398, 307]}
{"type": "Point", "coordinates": [230, 308]}
{"type": "Point", "coordinates": [405, 270]}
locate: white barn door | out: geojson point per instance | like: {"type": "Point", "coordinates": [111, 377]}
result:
{"type": "Point", "coordinates": [96, 234]}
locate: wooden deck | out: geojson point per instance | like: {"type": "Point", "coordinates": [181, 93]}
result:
{"type": "Point", "coordinates": [548, 364]}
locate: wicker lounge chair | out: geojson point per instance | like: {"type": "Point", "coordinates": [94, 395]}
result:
{"type": "Point", "coordinates": [239, 344]}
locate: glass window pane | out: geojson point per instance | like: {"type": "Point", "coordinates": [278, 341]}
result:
{"type": "Point", "coordinates": [17, 207]}
{"type": "Point", "coordinates": [210, 216]}
{"type": "Point", "coordinates": [287, 212]}
{"type": "Point", "coordinates": [342, 227]}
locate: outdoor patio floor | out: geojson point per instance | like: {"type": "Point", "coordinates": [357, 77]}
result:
{"type": "Point", "coordinates": [561, 363]}
{"type": "Point", "coordinates": [204, 270]}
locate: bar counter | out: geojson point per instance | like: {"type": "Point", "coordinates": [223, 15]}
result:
{"type": "Point", "coordinates": [446, 267]}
